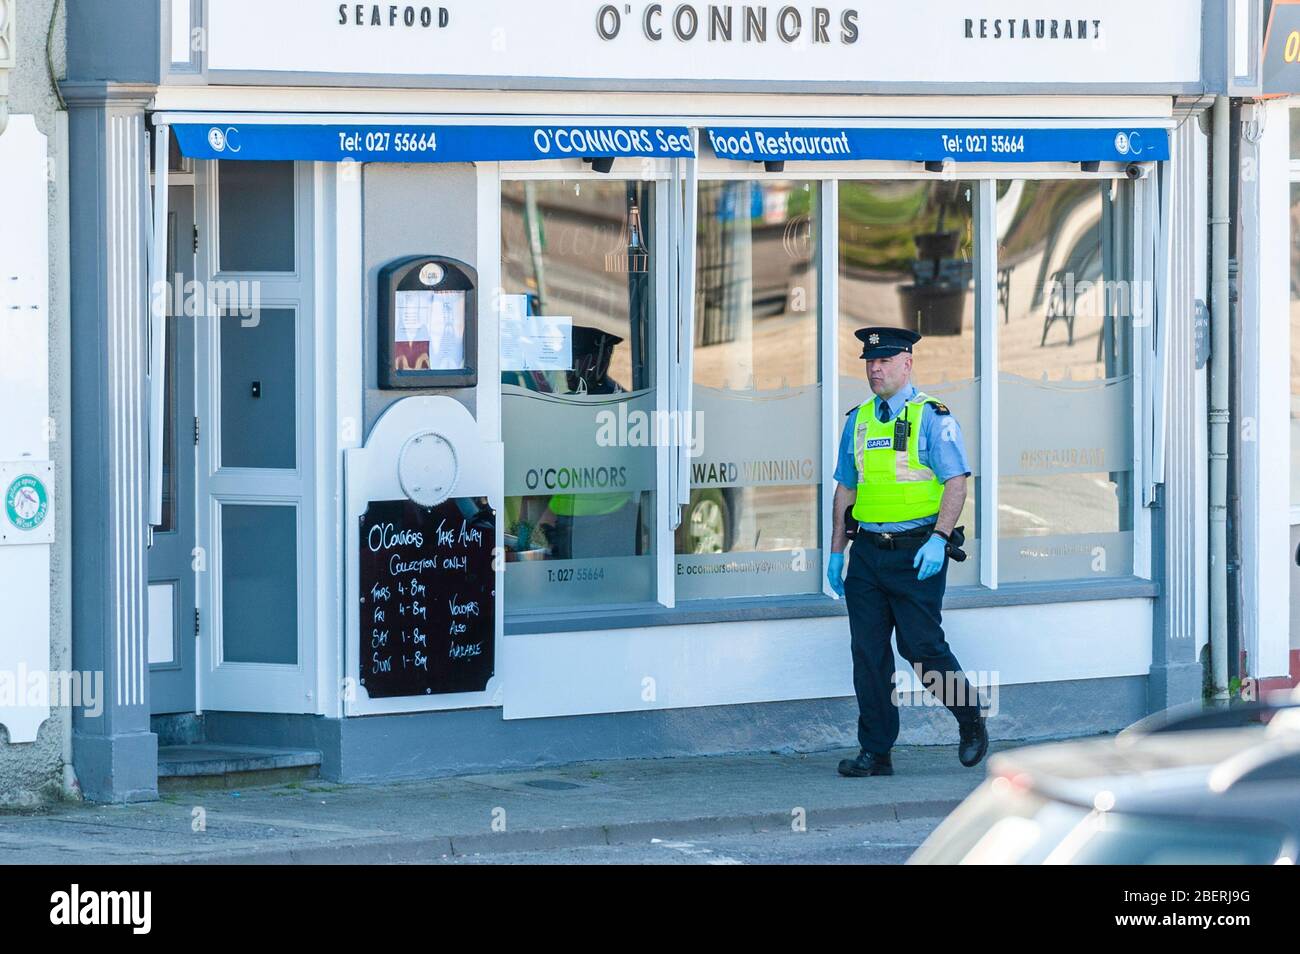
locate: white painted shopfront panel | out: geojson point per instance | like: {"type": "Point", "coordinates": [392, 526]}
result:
{"type": "Point", "coordinates": [670, 667]}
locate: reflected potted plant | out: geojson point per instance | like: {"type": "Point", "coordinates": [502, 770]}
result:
{"type": "Point", "coordinates": [933, 304]}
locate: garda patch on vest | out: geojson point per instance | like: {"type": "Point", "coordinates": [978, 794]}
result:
{"type": "Point", "coordinates": [877, 442]}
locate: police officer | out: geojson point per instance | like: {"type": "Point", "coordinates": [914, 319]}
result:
{"type": "Point", "coordinates": [902, 472]}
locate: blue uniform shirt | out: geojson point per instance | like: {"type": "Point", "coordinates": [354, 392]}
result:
{"type": "Point", "coordinates": [940, 447]}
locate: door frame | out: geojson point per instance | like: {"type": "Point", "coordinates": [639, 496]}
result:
{"type": "Point", "coordinates": [242, 686]}
{"type": "Point", "coordinates": [180, 572]}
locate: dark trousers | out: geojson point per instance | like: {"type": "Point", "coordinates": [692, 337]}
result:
{"type": "Point", "coordinates": [884, 596]}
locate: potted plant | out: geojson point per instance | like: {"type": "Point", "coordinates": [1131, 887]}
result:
{"type": "Point", "coordinates": [935, 301]}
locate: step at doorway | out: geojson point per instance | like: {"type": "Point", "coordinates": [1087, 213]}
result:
{"type": "Point", "coordinates": [208, 766]}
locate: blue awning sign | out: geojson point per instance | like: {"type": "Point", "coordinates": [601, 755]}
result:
{"type": "Point", "coordinates": [765, 144]}
{"type": "Point", "coordinates": [417, 143]}
{"type": "Point", "coordinates": [362, 142]}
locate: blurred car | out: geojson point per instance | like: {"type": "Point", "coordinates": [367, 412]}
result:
{"type": "Point", "coordinates": [1219, 786]}
{"type": "Point", "coordinates": [709, 521]}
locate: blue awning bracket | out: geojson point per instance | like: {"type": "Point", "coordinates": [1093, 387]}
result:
{"type": "Point", "coordinates": [390, 142]}
{"type": "Point", "coordinates": [939, 145]}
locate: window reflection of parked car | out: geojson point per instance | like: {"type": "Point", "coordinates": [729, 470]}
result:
{"type": "Point", "coordinates": [1212, 787]}
{"type": "Point", "coordinates": [709, 521]}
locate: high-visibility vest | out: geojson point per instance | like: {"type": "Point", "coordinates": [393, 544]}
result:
{"type": "Point", "coordinates": [893, 485]}
{"type": "Point", "coordinates": [588, 505]}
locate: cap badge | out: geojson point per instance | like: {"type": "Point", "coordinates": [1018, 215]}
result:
{"type": "Point", "coordinates": [874, 339]}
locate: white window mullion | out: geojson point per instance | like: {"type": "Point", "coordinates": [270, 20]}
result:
{"type": "Point", "coordinates": [829, 301]}
{"type": "Point", "coordinates": [488, 205]}
{"type": "Point", "coordinates": [1140, 220]}
{"type": "Point", "coordinates": [667, 276]}
{"type": "Point", "coordinates": [986, 321]}
{"type": "Point", "coordinates": [685, 248]}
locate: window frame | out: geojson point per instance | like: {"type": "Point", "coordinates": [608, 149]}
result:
{"type": "Point", "coordinates": [665, 231]}
{"type": "Point", "coordinates": [988, 592]}
{"type": "Point", "coordinates": [1137, 208]}
{"type": "Point", "coordinates": [826, 238]}
{"type": "Point", "coordinates": [987, 349]}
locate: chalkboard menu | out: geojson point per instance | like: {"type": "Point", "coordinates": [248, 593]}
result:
{"type": "Point", "coordinates": [428, 597]}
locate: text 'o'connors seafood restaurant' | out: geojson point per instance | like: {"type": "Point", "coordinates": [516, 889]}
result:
{"type": "Point", "coordinates": [506, 347]}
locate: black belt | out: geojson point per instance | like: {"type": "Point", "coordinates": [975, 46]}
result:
{"type": "Point", "coordinates": [889, 540]}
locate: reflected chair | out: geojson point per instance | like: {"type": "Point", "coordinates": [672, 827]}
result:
{"type": "Point", "coordinates": [1060, 306]}
{"type": "Point", "coordinates": [1004, 292]}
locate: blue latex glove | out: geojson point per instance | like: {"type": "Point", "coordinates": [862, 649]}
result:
{"type": "Point", "coordinates": [930, 557]}
{"type": "Point", "coordinates": [835, 574]}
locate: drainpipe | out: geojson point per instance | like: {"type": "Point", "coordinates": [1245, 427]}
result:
{"type": "Point", "coordinates": [1218, 410]}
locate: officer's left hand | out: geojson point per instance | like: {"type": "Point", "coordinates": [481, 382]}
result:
{"type": "Point", "coordinates": [929, 558]}
{"type": "Point", "coordinates": [835, 573]}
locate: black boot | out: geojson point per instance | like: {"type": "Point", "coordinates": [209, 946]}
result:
{"type": "Point", "coordinates": [974, 741]}
{"type": "Point", "coordinates": [866, 764]}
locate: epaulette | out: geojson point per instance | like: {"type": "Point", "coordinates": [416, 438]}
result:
{"type": "Point", "coordinates": [939, 406]}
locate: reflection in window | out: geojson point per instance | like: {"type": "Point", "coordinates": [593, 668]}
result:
{"type": "Point", "coordinates": [906, 260]}
{"type": "Point", "coordinates": [751, 527]}
{"type": "Point", "coordinates": [577, 373]}
{"type": "Point", "coordinates": [1066, 390]}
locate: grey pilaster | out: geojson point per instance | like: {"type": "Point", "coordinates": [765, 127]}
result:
{"type": "Point", "coordinates": [1175, 676]}
{"type": "Point", "coordinates": [115, 754]}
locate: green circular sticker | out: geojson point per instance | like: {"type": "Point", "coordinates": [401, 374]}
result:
{"type": "Point", "coordinates": [26, 502]}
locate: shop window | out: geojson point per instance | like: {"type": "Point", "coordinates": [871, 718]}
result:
{"type": "Point", "coordinates": [751, 527]}
{"type": "Point", "coordinates": [578, 270]}
{"type": "Point", "coordinates": [255, 216]}
{"type": "Point", "coordinates": [907, 261]}
{"type": "Point", "coordinates": [1065, 384]}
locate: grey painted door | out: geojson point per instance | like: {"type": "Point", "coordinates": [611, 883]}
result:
{"type": "Point", "coordinates": [172, 557]}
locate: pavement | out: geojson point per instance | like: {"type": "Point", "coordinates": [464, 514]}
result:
{"type": "Point", "coordinates": [639, 802]}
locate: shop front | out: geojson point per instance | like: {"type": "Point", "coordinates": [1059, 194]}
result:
{"type": "Point", "coordinates": [491, 410]}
